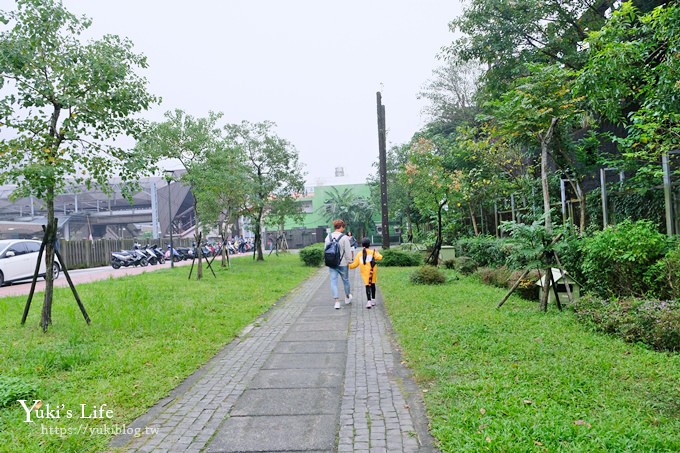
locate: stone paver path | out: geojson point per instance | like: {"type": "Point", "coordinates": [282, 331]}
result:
{"type": "Point", "coordinates": [304, 377]}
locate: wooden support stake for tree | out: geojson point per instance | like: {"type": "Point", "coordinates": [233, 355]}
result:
{"type": "Point", "coordinates": [526, 271]}
{"type": "Point", "coordinates": [27, 307]}
{"type": "Point", "coordinates": [73, 287]}
{"type": "Point", "coordinates": [48, 231]}
{"type": "Point", "coordinates": [563, 273]}
{"type": "Point", "coordinates": [514, 287]}
{"type": "Point", "coordinates": [554, 286]}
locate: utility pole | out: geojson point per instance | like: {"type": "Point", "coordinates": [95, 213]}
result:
{"type": "Point", "coordinates": [382, 155]}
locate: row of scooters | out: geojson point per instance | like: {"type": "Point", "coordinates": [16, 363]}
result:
{"type": "Point", "coordinates": [150, 254]}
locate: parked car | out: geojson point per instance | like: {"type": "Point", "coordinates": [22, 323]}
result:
{"type": "Point", "coordinates": [18, 258]}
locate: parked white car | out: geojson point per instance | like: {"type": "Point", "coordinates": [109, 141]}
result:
{"type": "Point", "coordinates": [18, 258]}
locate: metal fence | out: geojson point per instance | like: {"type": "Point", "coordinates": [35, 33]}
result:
{"type": "Point", "coordinates": [84, 253]}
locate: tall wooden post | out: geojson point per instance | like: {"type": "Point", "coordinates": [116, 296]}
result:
{"type": "Point", "coordinates": [382, 155]}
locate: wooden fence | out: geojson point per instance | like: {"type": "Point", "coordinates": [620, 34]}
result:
{"type": "Point", "coordinates": [85, 253]}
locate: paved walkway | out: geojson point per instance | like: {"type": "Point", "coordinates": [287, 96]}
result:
{"type": "Point", "coordinates": [304, 377]}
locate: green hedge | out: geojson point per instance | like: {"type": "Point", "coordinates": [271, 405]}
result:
{"type": "Point", "coordinates": [312, 255]}
{"type": "Point", "coordinates": [485, 251]}
{"type": "Point", "coordinates": [617, 259]}
{"type": "Point", "coordinates": [401, 258]}
{"type": "Point", "coordinates": [428, 275]}
{"type": "Point", "coordinates": [654, 323]}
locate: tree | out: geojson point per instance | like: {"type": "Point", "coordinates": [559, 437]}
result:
{"type": "Point", "coordinates": [274, 174]}
{"type": "Point", "coordinates": [64, 103]}
{"type": "Point", "coordinates": [631, 79]}
{"type": "Point", "coordinates": [508, 35]}
{"type": "Point", "coordinates": [451, 93]}
{"type": "Point", "coordinates": [531, 111]}
{"type": "Point", "coordinates": [189, 140]}
{"type": "Point", "coordinates": [434, 183]}
{"type": "Point", "coordinates": [218, 186]}
{"type": "Point", "coordinates": [355, 211]}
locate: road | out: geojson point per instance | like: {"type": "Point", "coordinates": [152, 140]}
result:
{"type": "Point", "coordinates": [89, 275]}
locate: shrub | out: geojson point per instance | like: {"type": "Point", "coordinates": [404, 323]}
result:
{"type": "Point", "coordinates": [483, 250]}
{"type": "Point", "coordinates": [502, 277]}
{"type": "Point", "coordinates": [450, 264]}
{"type": "Point", "coordinates": [654, 323]}
{"type": "Point", "coordinates": [13, 389]}
{"type": "Point", "coordinates": [401, 258]}
{"type": "Point", "coordinates": [312, 255]}
{"type": "Point", "coordinates": [428, 275]}
{"type": "Point", "coordinates": [411, 247]}
{"type": "Point", "coordinates": [663, 278]}
{"type": "Point", "coordinates": [464, 264]}
{"type": "Point", "coordinates": [615, 259]}
{"type": "Point", "coordinates": [495, 276]}
{"type": "Point", "coordinates": [527, 288]}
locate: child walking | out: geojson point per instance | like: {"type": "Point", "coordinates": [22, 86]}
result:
{"type": "Point", "coordinates": [366, 262]}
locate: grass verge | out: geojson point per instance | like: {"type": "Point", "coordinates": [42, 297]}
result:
{"type": "Point", "coordinates": [148, 333]}
{"type": "Point", "coordinates": [516, 379]}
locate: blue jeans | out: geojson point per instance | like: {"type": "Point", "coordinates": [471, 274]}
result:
{"type": "Point", "coordinates": [343, 272]}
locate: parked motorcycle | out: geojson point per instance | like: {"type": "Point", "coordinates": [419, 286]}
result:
{"type": "Point", "coordinates": [150, 255]}
{"type": "Point", "coordinates": [160, 256]}
{"type": "Point", "coordinates": [128, 258]}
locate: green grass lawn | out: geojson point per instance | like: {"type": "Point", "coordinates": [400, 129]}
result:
{"type": "Point", "coordinates": [518, 380]}
{"type": "Point", "coordinates": [148, 333]}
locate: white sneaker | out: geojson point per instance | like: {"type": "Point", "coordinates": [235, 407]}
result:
{"type": "Point", "coordinates": [373, 302]}
{"type": "Point", "coordinates": [337, 305]}
{"type": "Point", "coordinates": [348, 299]}
{"type": "Point", "coordinates": [369, 304]}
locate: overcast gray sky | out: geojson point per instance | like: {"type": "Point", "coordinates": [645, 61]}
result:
{"type": "Point", "coordinates": [311, 66]}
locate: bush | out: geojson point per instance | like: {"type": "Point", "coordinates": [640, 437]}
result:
{"type": "Point", "coordinates": [615, 259]}
{"type": "Point", "coordinates": [450, 264]}
{"type": "Point", "coordinates": [663, 278]}
{"type": "Point", "coordinates": [312, 255]}
{"type": "Point", "coordinates": [485, 251]}
{"type": "Point", "coordinates": [502, 277]}
{"type": "Point", "coordinates": [527, 288]}
{"type": "Point", "coordinates": [13, 389]}
{"type": "Point", "coordinates": [495, 276]}
{"type": "Point", "coordinates": [654, 323]}
{"type": "Point", "coordinates": [411, 247]}
{"type": "Point", "coordinates": [463, 264]}
{"type": "Point", "coordinates": [428, 275]}
{"type": "Point", "coordinates": [401, 258]}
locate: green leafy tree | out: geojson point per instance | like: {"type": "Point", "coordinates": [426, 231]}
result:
{"type": "Point", "coordinates": [355, 211]}
{"type": "Point", "coordinates": [530, 112]}
{"type": "Point", "coordinates": [274, 175]}
{"type": "Point", "coordinates": [631, 79]}
{"type": "Point", "coordinates": [63, 104]}
{"type": "Point", "coordinates": [218, 185]}
{"type": "Point", "coordinates": [435, 184]}
{"type": "Point", "coordinates": [190, 140]}
{"type": "Point", "coordinates": [508, 35]}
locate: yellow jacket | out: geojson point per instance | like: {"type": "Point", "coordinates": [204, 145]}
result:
{"type": "Point", "coordinates": [365, 268]}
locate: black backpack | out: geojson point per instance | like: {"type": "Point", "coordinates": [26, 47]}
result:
{"type": "Point", "coordinates": [331, 252]}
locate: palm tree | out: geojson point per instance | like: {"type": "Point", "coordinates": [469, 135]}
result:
{"type": "Point", "coordinates": [357, 212]}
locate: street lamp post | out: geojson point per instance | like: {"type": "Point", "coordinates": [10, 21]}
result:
{"type": "Point", "coordinates": [169, 176]}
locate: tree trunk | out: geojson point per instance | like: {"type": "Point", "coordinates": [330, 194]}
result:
{"type": "Point", "coordinates": [258, 237]}
{"type": "Point", "coordinates": [198, 238]}
{"type": "Point", "coordinates": [51, 233]}
{"type": "Point", "coordinates": [433, 259]}
{"type": "Point", "coordinates": [473, 219]}
{"type": "Point", "coordinates": [545, 143]}
{"type": "Point", "coordinates": [409, 225]}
